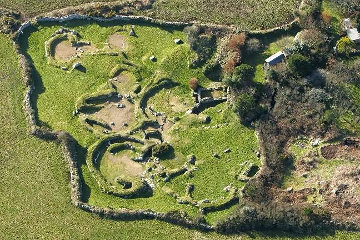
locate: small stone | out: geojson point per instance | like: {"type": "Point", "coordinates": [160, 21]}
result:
{"type": "Point", "coordinates": [121, 105]}
{"type": "Point", "coordinates": [112, 124]}
{"type": "Point", "coordinates": [290, 189]}
{"type": "Point", "coordinates": [216, 155]}
{"type": "Point", "coordinates": [153, 58]}
{"type": "Point", "coordinates": [64, 68]}
{"type": "Point", "coordinates": [76, 65]}
{"type": "Point", "coordinates": [207, 119]}
{"type": "Point", "coordinates": [176, 118]}
{"type": "Point", "coordinates": [178, 41]}
{"type": "Point", "coordinates": [192, 159]}
{"type": "Point", "coordinates": [227, 188]}
{"type": "Point", "coordinates": [227, 150]}
{"type": "Point", "coordinates": [258, 154]}
{"type": "Point", "coordinates": [315, 143]}
{"type": "Point", "coordinates": [125, 124]}
{"type": "Point", "coordinates": [132, 32]}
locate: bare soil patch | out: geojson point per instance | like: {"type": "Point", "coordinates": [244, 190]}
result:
{"type": "Point", "coordinates": [64, 51]}
{"type": "Point", "coordinates": [88, 48]}
{"type": "Point", "coordinates": [176, 104]}
{"type": "Point", "coordinates": [341, 151]}
{"type": "Point", "coordinates": [124, 82]}
{"type": "Point", "coordinates": [131, 168]}
{"type": "Point", "coordinates": [121, 117]}
{"type": "Point", "coordinates": [118, 41]}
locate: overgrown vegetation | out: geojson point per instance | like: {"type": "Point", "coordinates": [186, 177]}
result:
{"type": "Point", "coordinates": [247, 15]}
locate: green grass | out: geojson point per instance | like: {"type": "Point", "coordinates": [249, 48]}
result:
{"type": "Point", "coordinates": [214, 174]}
{"type": "Point", "coordinates": [35, 195]}
{"type": "Point", "coordinates": [337, 16]}
{"type": "Point", "coordinates": [247, 14]}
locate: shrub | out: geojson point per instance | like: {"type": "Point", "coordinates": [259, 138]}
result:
{"type": "Point", "coordinates": [203, 44]}
{"type": "Point", "coordinates": [300, 65]}
{"type": "Point", "coordinates": [253, 46]}
{"type": "Point", "coordinates": [247, 108]}
{"type": "Point", "coordinates": [194, 83]}
{"type": "Point", "coordinates": [212, 70]}
{"type": "Point", "coordinates": [345, 46]}
{"type": "Point", "coordinates": [236, 42]}
{"type": "Point", "coordinates": [162, 150]}
{"type": "Point", "coordinates": [229, 66]}
{"type": "Point", "coordinates": [241, 75]}
{"type": "Point", "coordinates": [326, 18]}
{"type": "Point", "coordinates": [347, 6]}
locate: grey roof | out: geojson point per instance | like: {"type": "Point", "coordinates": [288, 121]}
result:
{"type": "Point", "coordinates": [277, 55]}
{"type": "Point", "coordinates": [353, 34]}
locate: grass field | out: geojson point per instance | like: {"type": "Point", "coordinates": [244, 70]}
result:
{"type": "Point", "coordinates": [247, 14]}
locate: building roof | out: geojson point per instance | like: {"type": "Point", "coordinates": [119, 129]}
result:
{"type": "Point", "coordinates": [276, 56]}
{"type": "Point", "coordinates": [353, 34]}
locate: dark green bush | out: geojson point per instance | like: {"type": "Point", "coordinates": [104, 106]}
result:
{"type": "Point", "coordinates": [247, 108]}
{"type": "Point", "coordinates": [300, 65]}
{"type": "Point", "coordinates": [241, 76]}
{"type": "Point", "coordinates": [203, 44]}
{"type": "Point", "coordinates": [162, 150]}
